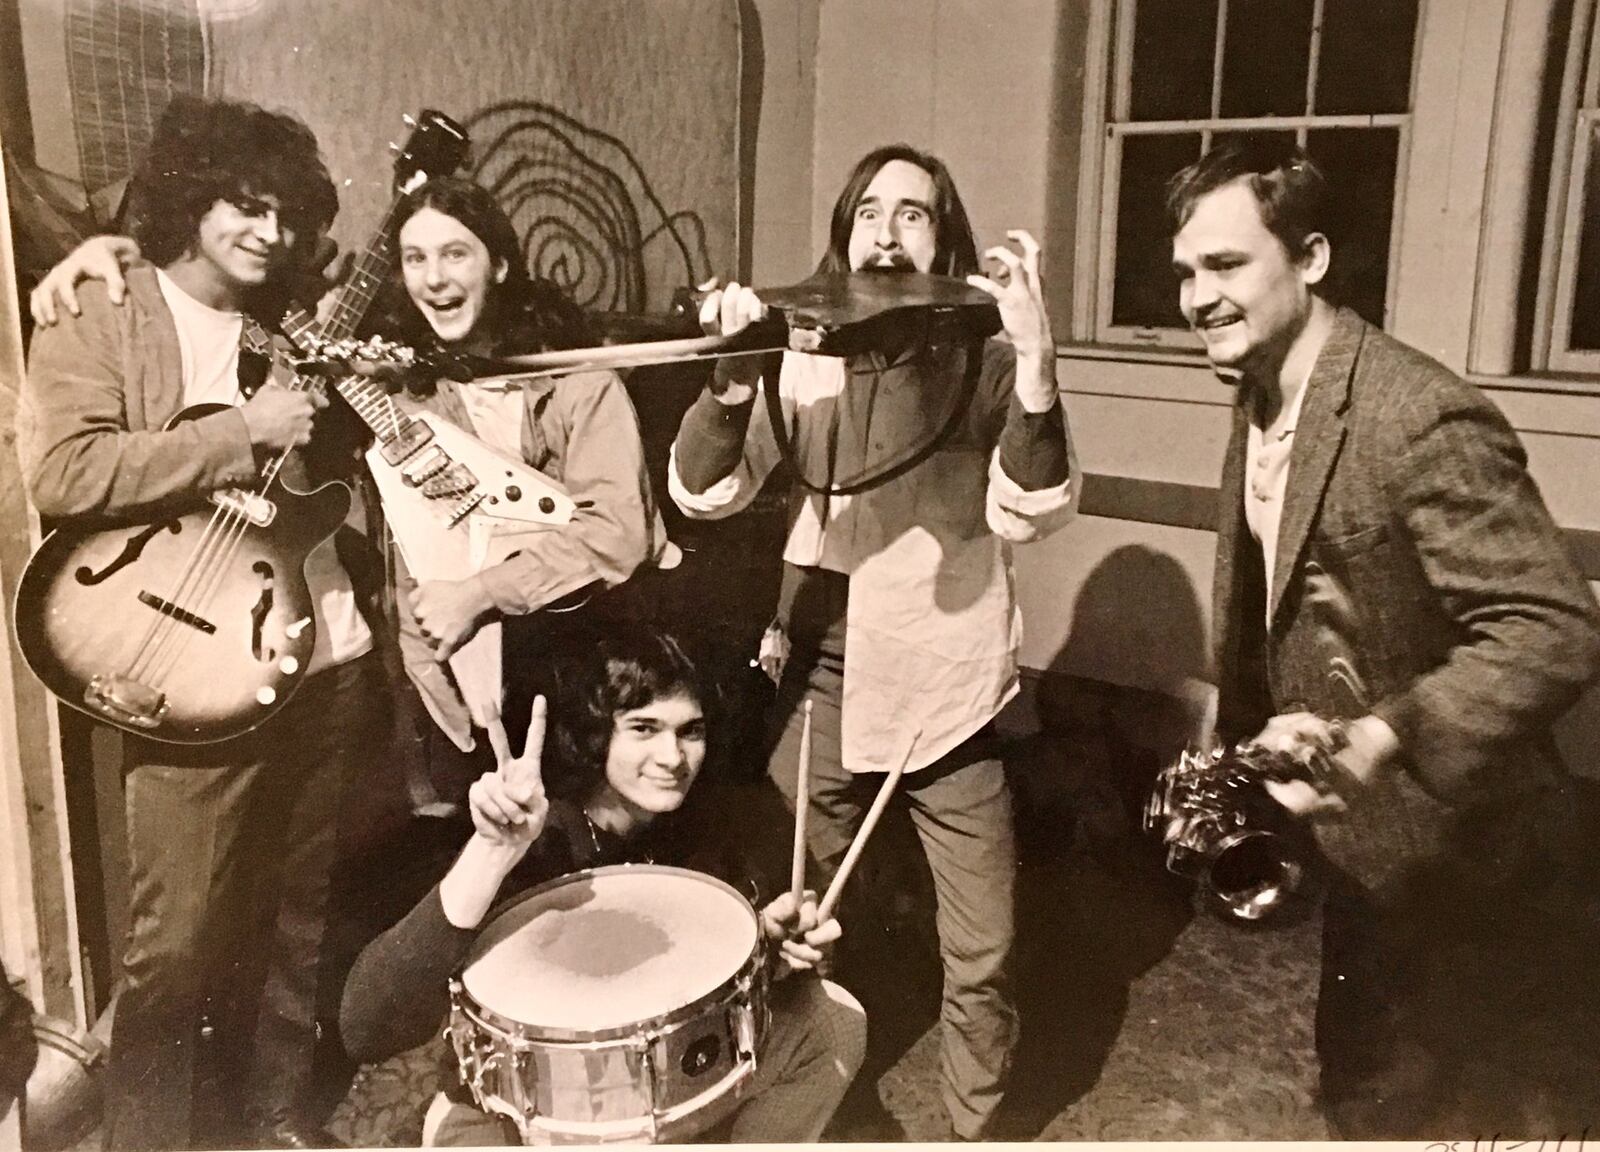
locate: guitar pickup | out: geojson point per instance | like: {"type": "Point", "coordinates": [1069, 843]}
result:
{"type": "Point", "coordinates": [413, 436]}
{"type": "Point", "coordinates": [253, 506]}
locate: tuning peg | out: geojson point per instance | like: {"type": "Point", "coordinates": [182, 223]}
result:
{"type": "Point", "coordinates": [393, 147]}
{"type": "Point", "coordinates": [409, 122]}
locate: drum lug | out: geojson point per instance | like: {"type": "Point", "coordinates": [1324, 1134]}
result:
{"type": "Point", "coordinates": [651, 1054]}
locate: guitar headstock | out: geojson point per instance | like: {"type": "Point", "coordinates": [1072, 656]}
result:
{"type": "Point", "coordinates": [436, 147]}
{"type": "Point", "coordinates": [320, 356]}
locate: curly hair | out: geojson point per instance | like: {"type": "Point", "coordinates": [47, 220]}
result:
{"type": "Point", "coordinates": [204, 151]}
{"type": "Point", "coordinates": [955, 251]}
{"type": "Point", "coordinates": [522, 313]}
{"type": "Point", "coordinates": [622, 669]}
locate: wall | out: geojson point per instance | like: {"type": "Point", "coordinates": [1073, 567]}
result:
{"type": "Point", "coordinates": [1126, 600]}
{"type": "Point", "coordinates": [781, 246]}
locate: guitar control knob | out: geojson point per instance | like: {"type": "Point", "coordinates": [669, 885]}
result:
{"type": "Point", "coordinates": [513, 492]}
{"type": "Point", "coordinates": [546, 505]}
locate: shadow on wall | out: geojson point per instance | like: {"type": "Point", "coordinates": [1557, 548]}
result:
{"type": "Point", "coordinates": [1128, 685]}
{"type": "Point", "coordinates": [1097, 906]}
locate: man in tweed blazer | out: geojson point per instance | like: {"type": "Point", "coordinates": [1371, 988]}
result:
{"type": "Point", "coordinates": [1391, 593]}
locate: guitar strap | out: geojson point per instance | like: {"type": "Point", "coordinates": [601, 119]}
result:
{"type": "Point", "coordinates": [785, 442]}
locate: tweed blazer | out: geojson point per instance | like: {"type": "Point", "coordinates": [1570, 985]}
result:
{"type": "Point", "coordinates": [1418, 576]}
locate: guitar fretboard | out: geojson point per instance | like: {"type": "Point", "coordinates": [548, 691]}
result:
{"type": "Point", "coordinates": [369, 398]}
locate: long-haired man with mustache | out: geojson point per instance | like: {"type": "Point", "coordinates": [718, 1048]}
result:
{"type": "Point", "coordinates": [896, 613]}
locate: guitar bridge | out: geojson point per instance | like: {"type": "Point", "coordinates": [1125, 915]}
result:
{"type": "Point", "coordinates": [253, 506]}
{"type": "Point", "coordinates": [126, 701]}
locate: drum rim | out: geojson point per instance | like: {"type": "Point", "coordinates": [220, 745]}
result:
{"type": "Point", "coordinates": [750, 968]}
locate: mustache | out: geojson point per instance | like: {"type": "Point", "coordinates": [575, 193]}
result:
{"type": "Point", "coordinates": [893, 262]}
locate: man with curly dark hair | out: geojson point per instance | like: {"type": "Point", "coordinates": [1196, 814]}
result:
{"type": "Point", "coordinates": [230, 844]}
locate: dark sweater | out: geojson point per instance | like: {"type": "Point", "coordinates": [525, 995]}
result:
{"type": "Point", "coordinates": [397, 994]}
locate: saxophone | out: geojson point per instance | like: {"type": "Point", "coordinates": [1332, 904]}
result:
{"type": "Point", "coordinates": [1223, 830]}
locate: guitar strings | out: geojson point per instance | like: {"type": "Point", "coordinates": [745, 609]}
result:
{"type": "Point", "coordinates": [164, 642]}
{"type": "Point", "coordinates": [204, 573]}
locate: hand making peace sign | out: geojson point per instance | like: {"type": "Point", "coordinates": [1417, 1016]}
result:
{"type": "Point", "coordinates": [509, 805]}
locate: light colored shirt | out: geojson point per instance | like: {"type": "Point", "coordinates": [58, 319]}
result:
{"type": "Point", "coordinates": [496, 408]}
{"type": "Point", "coordinates": [209, 341]}
{"type": "Point", "coordinates": [1267, 478]}
{"type": "Point", "coordinates": [932, 626]}
{"type": "Point", "coordinates": [581, 431]}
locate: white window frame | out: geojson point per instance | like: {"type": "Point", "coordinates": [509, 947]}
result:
{"type": "Point", "coordinates": [1108, 86]}
{"type": "Point", "coordinates": [1577, 130]}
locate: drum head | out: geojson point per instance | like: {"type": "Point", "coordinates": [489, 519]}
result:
{"type": "Point", "coordinates": [610, 947]}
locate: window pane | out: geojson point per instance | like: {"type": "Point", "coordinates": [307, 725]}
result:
{"type": "Point", "coordinates": [1365, 63]}
{"type": "Point", "coordinates": [1174, 42]}
{"type": "Point", "coordinates": [1360, 166]}
{"type": "Point", "coordinates": [1585, 333]}
{"type": "Point", "coordinates": [1266, 57]}
{"type": "Point", "coordinates": [1145, 295]}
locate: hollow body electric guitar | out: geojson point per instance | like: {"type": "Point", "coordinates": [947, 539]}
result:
{"type": "Point", "coordinates": [199, 626]}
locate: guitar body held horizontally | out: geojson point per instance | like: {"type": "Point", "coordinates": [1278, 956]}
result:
{"type": "Point", "coordinates": [189, 629]}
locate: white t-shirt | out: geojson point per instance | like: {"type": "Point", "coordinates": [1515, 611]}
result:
{"type": "Point", "coordinates": [209, 341]}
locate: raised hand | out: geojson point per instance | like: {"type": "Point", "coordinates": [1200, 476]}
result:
{"type": "Point", "coordinates": [1017, 288]}
{"type": "Point", "coordinates": [281, 418]}
{"type": "Point", "coordinates": [722, 313]}
{"type": "Point", "coordinates": [97, 258]}
{"type": "Point", "coordinates": [508, 813]}
{"type": "Point", "coordinates": [803, 942]}
{"type": "Point", "coordinates": [508, 805]}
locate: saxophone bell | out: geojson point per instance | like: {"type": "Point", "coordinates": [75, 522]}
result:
{"type": "Point", "coordinates": [1225, 832]}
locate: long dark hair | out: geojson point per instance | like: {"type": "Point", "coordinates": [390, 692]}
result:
{"type": "Point", "coordinates": [616, 670]}
{"type": "Point", "coordinates": [522, 313]}
{"type": "Point", "coordinates": [955, 251]}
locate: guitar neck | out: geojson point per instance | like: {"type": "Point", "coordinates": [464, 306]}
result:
{"type": "Point", "coordinates": [367, 397]}
{"type": "Point", "coordinates": [366, 280]}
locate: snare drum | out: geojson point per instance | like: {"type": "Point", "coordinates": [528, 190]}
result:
{"type": "Point", "coordinates": [625, 1003]}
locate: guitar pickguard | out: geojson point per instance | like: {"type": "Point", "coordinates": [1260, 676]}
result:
{"type": "Point", "coordinates": [455, 501]}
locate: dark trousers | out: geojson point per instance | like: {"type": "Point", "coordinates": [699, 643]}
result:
{"type": "Point", "coordinates": [961, 809]}
{"type": "Point", "coordinates": [1460, 998]}
{"type": "Point", "coordinates": [230, 848]}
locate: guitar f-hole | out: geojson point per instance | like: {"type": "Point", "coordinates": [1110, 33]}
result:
{"type": "Point", "coordinates": [130, 552]}
{"type": "Point", "coordinates": [263, 608]}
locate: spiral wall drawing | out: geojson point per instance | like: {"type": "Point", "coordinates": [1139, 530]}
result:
{"type": "Point", "coordinates": [585, 209]}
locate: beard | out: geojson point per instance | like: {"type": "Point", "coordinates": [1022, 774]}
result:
{"type": "Point", "coordinates": [888, 262]}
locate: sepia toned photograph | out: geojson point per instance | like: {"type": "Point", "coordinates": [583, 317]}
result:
{"type": "Point", "coordinates": [743, 572]}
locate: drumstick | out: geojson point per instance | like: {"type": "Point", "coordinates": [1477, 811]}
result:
{"type": "Point", "coordinates": [836, 889]}
{"type": "Point", "coordinates": [797, 872]}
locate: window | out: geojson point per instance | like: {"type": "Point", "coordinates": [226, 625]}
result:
{"type": "Point", "coordinates": [1187, 74]}
{"type": "Point", "coordinates": [1567, 321]}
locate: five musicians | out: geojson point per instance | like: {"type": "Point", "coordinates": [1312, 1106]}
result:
{"type": "Point", "coordinates": [1393, 607]}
